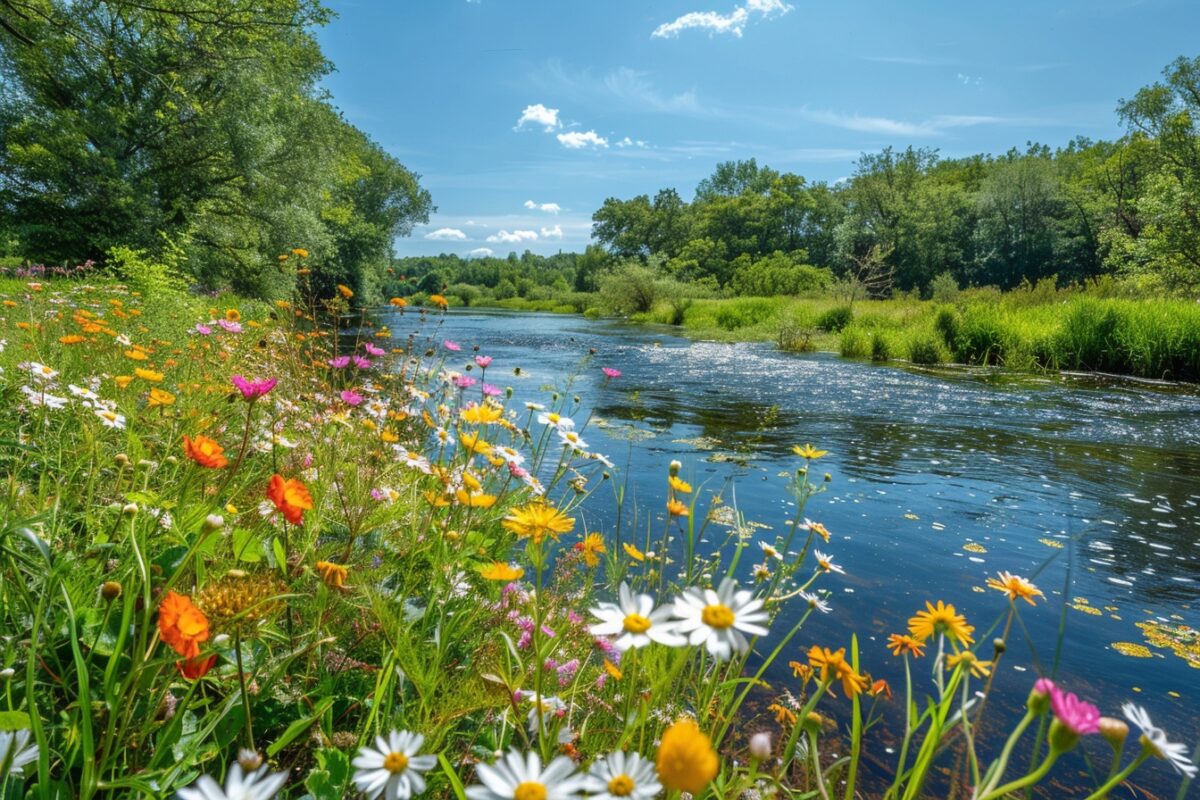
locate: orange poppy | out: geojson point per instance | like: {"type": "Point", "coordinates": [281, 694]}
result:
{"type": "Point", "coordinates": [291, 497]}
{"type": "Point", "coordinates": [205, 451]}
{"type": "Point", "coordinates": [181, 625]}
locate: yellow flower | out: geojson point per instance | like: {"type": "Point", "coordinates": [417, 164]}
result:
{"type": "Point", "coordinates": [676, 508]}
{"type": "Point", "coordinates": [980, 669]}
{"type": "Point", "coordinates": [683, 487]}
{"type": "Point", "coordinates": [833, 666]}
{"type": "Point", "coordinates": [537, 520]}
{"type": "Point", "coordinates": [300, 252]}
{"type": "Point", "coordinates": [334, 575]}
{"type": "Point", "coordinates": [136, 355]}
{"type": "Point", "coordinates": [783, 714]}
{"type": "Point", "coordinates": [809, 452]}
{"type": "Point", "coordinates": [345, 291]}
{"type": "Point", "coordinates": [687, 761]}
{"type": "Point", "coordinates": [591, 547]}
{"type": "Point", "coordinates": [439, 301]}
{"type": "Point", "coordinates": [941, 618]}
{"type": "Point", "coordinates": [613, 671]}
{"type": "Point", "coordinates": [1015, 586]}
{"type": "Point", "coordinates": [159, 397]}
{"type": "Point", "coordinates": [148, 375]}
{"type": "Point", "coordinates": [474, 444]}
{"type": "Point", "coordinates": [633, 552]}
{"type": "Point", "coordinates": [475, 499]}
{"type": "Point", "coordinates": [233, 315]}
{"type": "Point", "coordinates": [482, 414]}
{"type": "Point", "coordinates": [499, 571]}
{"type": "Point", "coordinates": [398, 302]}
{"type": "Point", "coordinates": [899, 643]}
{"type": "Point", "coordinates": [123, 380]}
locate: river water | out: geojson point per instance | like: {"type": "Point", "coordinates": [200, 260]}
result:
{"type": "Point", "coordinates": [940, 478]}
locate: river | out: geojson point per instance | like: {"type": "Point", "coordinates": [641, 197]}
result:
{"type": "Point", "coordinates": [940, 478]}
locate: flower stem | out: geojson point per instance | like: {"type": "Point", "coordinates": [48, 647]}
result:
{"type": "Point", "coordinates": [1116, 780]}
{"type": "Point", "coordinates": [237, 651]}
{"type": "Point", "coordinates": [1028, 780]}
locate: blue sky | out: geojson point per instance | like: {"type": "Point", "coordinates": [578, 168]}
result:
{"type": "Point", "coordinates": [523, 116]}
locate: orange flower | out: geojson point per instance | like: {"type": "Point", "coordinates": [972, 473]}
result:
{"type": "Point", "coordinates": [181, 625]}
{"type": "Point", "coordinates": [345, 291]}
{"type": "Point", "coordinates": [333, 574]}
{"type": "Point", "coordinates": [205, 451]}
{"type": "Point", "coordinates": [196, 668]}
{"type": "Point", "coordinates": [73, 338]}
{"type": "Point", "coordinates": [439, 301]}
{"type": "Point", "coordinates": [676, 508]}
{"type": "Point", "coordinates": [291, 497]}
{"type": "Point", "coordinates": [398, 302]}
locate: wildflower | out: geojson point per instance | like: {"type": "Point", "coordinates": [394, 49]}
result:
{"type": "Point", "coordinates": [439, 301]}
{"type": "Point", "coordinates": [633, 552]}
{"type": "Point", "coordinates": [203, 329]}
{"type": "Point", "coordinates": [499, 571]}
{"type": "Point", "coordinates": [205, 451]}
{"type": "Point", "coordinates": [770, 552]}
{"type": "Point", "coordinates": [572, 439]}
{"type": "Point", "coordinates": [556, 420]}
{"type": "Point", "coordinates": [635, 621]}
{"type": "Point", "coordinates": [815, 601]}
{"type": "Point", "coordinates": [181, 625]}
{"type": "Point", "coordinates": [334, 575]}
{"type": "Point", "coordinates": [474, 444]}
{"type": "Point", "coordinates": [341, 362]}
{"type": "Point", "coordinates": [881, 687]}
{"type": "Point", "coordinates": [229, 327]}
{"type": "Point", "coordinates": [676, 508]}
{"type": "Point", "coordinates": [609, 372]}
{"type": "Point", "coordinates": [1113, 730]}
{"type": "Point", "coordinates": [37, 397]}
{"type": "Point", "coordinates": [453, 347]}
{"type": "Point", "coordinates": [517, 777]}
{"type": "Point", "coordinates": [900, 643]}
{"type": "Point", "coordinates": [392, 768]}
{"type": "Point", "coordinates": [233, 315]}
{"type": "Point", "coordinates": [801, 671]}
{"type": "Point", "coordinates": [260, 784]}
{"type": "Point", "coordinates": [110, 590]}
{"type": "Point", "coordinates": [591, 547]}
{"type": "Point", "coordinates": [683, 487]}
{"type": "Point", "coordinates": [719, 618]}
{"type": "Point", "coordinates": [537, 520]}
{"type": "Point", "coordinates": [482, 414]}
{"type": "Point", "coordinates": [1015, 586]}
{"type": "Point", "coordinates": [73, 338]}
{"type": "Point", "coordinates": [398, 302]}
{"type": "Point", "coordinates": [135, 354]}
{"type": "Point", "coordinates": [252, 390]}
{"type": "Point", "coordinates": [123, 380]}
{"type": "Point", "coordinates": [240, 600]}
{"type": "Point", "coordinates": [815, 527]}
{"type": "Point", "coordinates": [1080, 718]}
{"type": "Point", "coordinates": [196, 668]}
{"type": "Point", "coordinates": [832, 666]}
{"type": "Point", "coordinates": [1155, 740]}
{"type": "Point", "coordinates": [345, 291]}
{"type": "Point", "coordinates": [351, 397]}
{"type": "Point", "coordinates": [475, 499]}
{"type": "Point", "coordinates": [110, 418]}
{"type": "Point", "coordinates": [619, 775]}
{"type": "Point", "coordinates": [941, 618]}
{"type": "Point", "coordinates": [300, 252]}
{"type": "Point", "coordinates": [809, 452]}
{"type": "Point", "coordinates": [978, 667]}
{"type": "Point", "coordinates": [483, 361]}
{"type": "Point", "coordinates": [687, 761]}
{"type": "Point", "coordinates": [16, 750]}
{"type": "Point", "coordinates": [464, 381]}
{"type": "Point", "coordinates": [826, 563]}
{"type": "Point", "coordinates": [783, 714]}
{"type": "Point", "coordinates": [148, 375]}
{"type": "Point", "coordinates": [159, 397]}
{"type": "Point", "coordinates": [290, 497]}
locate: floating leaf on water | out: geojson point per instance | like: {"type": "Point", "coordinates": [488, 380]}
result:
{"type": "Point", "coordinates": [911, 515]}
{"type": "Point", "coordinates": [728, 458]}
{"type": "Point", "coordinates": [972, 547]}
{"type": "Point", "coordinates": [1174, 694]}
{"type": "Point", "coordinates": [1057, 545]}
{"type": "Point", "coordinates": [1182, 640]}
{"type": "Point", "coordinates": [1132, 650]}
{"type": "Point", "coordinates": [700, 442]}
{"type": "Point", "coordinates": [1080, 604]}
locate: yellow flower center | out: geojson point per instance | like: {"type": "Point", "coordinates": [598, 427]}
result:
{"type": "Point", "coordinates": [636, 623]}
{"type": "Point", "coordinates": [621, 786]}
{"type": "Point", "coordinates": [717, 616]}
{"type": "Point", "coordinates": [395, 763]}
{"type": "Point", "coordinates": [530, 790]}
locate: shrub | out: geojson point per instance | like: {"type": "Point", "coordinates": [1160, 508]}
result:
{"type": "Point", "coordinates": [855, 343]}
{"type": "Point", "coordinates": [630, 288]}
{"type": "Point", "coordinates": [156, 277]}
{"type": "Point", "coordinates": [926, 347]}
{"type": "Point", "coordinates": [465, 292]}
{"type": "Point", "coordinates": [982, 336]}
{"type": "Point", "coordinates": [881, 349]}
{"type": "Point", "coordinates": [944, 288]}
{"type": "Point", "coordinates": [947, 322]}
{"type": "Point", "coordinates": [835, 319]}
{"type": "Point", "coordinates": [779, 274]}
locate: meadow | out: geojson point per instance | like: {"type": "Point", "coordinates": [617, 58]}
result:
{"type": "Point", "coordinates": [246, 555]}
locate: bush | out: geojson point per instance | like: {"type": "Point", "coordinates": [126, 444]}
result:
{"type": "Point", "coordinates": [629, 289]}
{"type": "Point", "coordinates": [944, 288]}
{"type": "Point", "coordinates": [881, 349]}
{"type": "Point", "coordinates": [947, 323]}
{"type": "Point", "coordinates": [855, 343]}
{"type": "Point", "coordinates": [465, 292]}
{"type": "Point", "coordinates": [155, 277]}
{"type": "Point", "coordinates": [835, 319]}
{"type": "Point", "coordinates": [982, 336]}
{"type": "Point", "coordinates": [926, 348]}
{"type": "Point", "coordinates": [779, 274]}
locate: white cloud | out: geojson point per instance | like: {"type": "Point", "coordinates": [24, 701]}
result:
{"type": "Point", "coordinates": [627, 142]}
{"type": "Point", "coordinates": [549, 208]}
{"type": "Point", "coordinates": [714, 22]}
{"type": "Point", "coordinates": [552, 233]}
{"type": "Point", "coordinates": [446, 233]}
{"type": "Point", "coordinates": [866, 124]}
{"type": "Point", "coordinates": [574, 140]}
{"type": "Point", "coordinates": [515, 237]}
{"type": "Point", "coordinates": [480, 252]}
{"type": "Point", "coordinates": [538, 114]}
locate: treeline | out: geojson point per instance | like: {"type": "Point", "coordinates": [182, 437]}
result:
{"type": "Point", "coordinates": [1129, 207]}
{"type": "Point", "coordinates": [195, 131]}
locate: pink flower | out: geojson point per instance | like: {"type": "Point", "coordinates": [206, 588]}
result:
{"type": "Point", "coordinates": [230, 325]}
{"type": "Point", "coordinates": [203, 329]}
{"type": "Point", "coordinates": [1079, 716]}
{"type": "Point", "coordinates": [351, 397]}
{"type": "Point", "coordinates": [252, 390]}
{"type": "Point", "coordinates": [610, 372]}
{"type": "Point", "coordinates": [453, 347]}
{"type": "Point", "coordinates": [464, 381]}
{"type": "Point", "coordinates": [492, 391]}
{"type": "Point", "coordinates": [372, 350]}
{"type": "Point", "coordinates": [483, 361]}
{"type": "Point", "coordinates": [360, 362]}
{"type": "Point", "coordinates": [341, 362]}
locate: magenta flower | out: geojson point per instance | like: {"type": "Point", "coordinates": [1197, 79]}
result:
{"type": "Point", "coordinates": [351, 397]}
{"type": "Point", "coordinates": [492, 391]}
{"type": "Point", "coordinates": [609, 372]}
{"type": "Point", "coordinates": [230, 326]}
{"type": "Point", "coordinates": [372, 350]}
{"type": "Point", "coordinates": [1079, 716]}
{"type": "Point", "coordinates": [483, 361]}
{"type": "Point", "coordinates": [341, 362]}
{"type": "Point", "coordinates": [453, 347]}
{"type": "Point", "coordinates": [360, 362]}
{"type": "Point", "coordinates": [252, 390]}
{"type": "Point", "coordinates": [203, 329]}
{"type": "Point", "coordinates": [464, 381]}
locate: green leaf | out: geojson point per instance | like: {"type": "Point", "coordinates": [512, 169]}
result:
{"type": "Point", "coordinates": [14, 721]}
{"type": "Point", "coordinates": [246, 546]}
{"type": "Point", "coordinates": [299, 726]}
{"type": "Point", "coordinates": [452, 776]}
{"type": "Point", "coordinates": [280, 555]}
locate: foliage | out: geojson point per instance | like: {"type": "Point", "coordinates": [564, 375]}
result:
{"type": "Point", "coordinates": [835, 319]}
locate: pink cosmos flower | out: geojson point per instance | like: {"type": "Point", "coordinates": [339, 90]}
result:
{"type": "Point", "coordinates": [464, 381]}
{"type": "Point", "coordinates": [492, 391]}
{"type": "Point", "coordinates": [252, 390]}
{"type": "Point", "coordinates": [351, 397]}
{"type": "Point", "coordinates": [360, 362]}
{"type": "Point", "coordinates": [1077, 715]}
{"type": "Point", "coordinates": [203, 329]}
{"type": "Point", "coordinates": [341, 362]}
{"type": "Point", "coordinates": [609, 372]}
{"type": "Point", "coordinates": [483, 361]}
{"type": "Point", "coordinates": [372, 350]}
{"type": "Point", "coordinates": [230, 326]}
{"type": "Point", "coordinates": [453, 347]}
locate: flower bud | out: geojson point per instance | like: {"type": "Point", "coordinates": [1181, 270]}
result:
{"type": "Point", "coordinates": [250, 760]}
{"type": "Point", "coordinates": [121, 459]}
{"type": "Point", "coordinates": [7, 674]}
{"type": "Point", "coordinates": [760, 746]}
{"type": "Point", "coordinates": [998, 645]}
{"type": "Point", "coordinates": [213, 522]}
{"type": "Point", "coordinates": [813, 722]}
{"type": "Point", "coordinates": [129, 509]}
{"type": "Point", "coordinates": [1039, 698]}
{"type": "Point", "coordinates": [828, 477]}
{"type": "Point", "coordinates": [1062, 738]}
{"type": "Point", "coordinates": [110, 590]}
{"type": "Point", "coordinates": [1114, 730]}
{"type": "Point", "coordinates": [674, 467]}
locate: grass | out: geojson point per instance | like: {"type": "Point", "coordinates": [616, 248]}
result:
{"type": "Point", "coordinates": [210, 576]}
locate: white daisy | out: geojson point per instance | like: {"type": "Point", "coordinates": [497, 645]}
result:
{"type": "Point", "coordinates": [619, 775]}
{"type": "Point", "coordinates": [37, 397]}
{"type": "Point", "coordinates": [718, 619]}
{"type": "Point", "coordinates": [415, 461]}
{"type": "Point", "coordinates": [86, 395]}
{"type": "Point", "coordinates": [535, 406]}
{"type": "Point", "coordinates": [603, 460]}
{"type": "Point", "coordinates": [392, 769]}
{"type": "Point", "coordinates": [39, 371]}
{"type": "Point", "coordinates": [770, 551]}
{"type": "Point", "coordinates": [572, 439]}
{"type": "Point", "coordinates": [826, 563]}
{"type": "Point", "coordinates": [815, 601]}
{"type": "Point", "coordinates": [509, 454]}
{"type": "Point", "coordinates": [110, 418]}
{"type": "Point", "coordinates": [518, 777]}
{"type": "Point", "coordinates": [16, 751]}
{"type": "Point", "coordinates": [260, 784]}
{"type": "Point", "coordinates": [551, 707]}
{"type": "Point", "coordinates": [635, 621]}
{"type": "Point", "coordinates": [556, 420]}
{"type": "Point", "coordinates": [1155, 739]}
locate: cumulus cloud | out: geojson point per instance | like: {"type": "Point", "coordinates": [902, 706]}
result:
{"type": "Point", "coordinates": [538, 114]}
{"type": "Point", "coordinates": [574, 140]}
{"type": "Point", "coordinates": [446, 233]}
{"type": "Point", "coordinates": [516, 237]}
{"type": "Point", "coordinates": [549, 208]}
{"type": "Point", "coordinates": [715, 22]}
{"type": "Point", "coordinates": [552, 233]}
